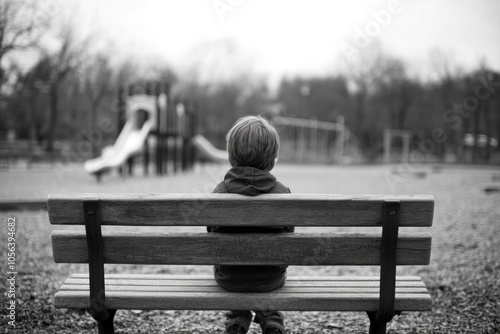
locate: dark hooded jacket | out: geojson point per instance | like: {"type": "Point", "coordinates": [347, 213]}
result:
{"type": "Point", "coordinates": [250, 181]}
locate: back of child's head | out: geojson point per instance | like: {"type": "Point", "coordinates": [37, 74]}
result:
{"type": "Point", "coordinates": [254, 142]}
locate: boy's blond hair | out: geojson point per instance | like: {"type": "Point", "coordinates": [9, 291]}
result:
{"type": "Point", "coordinates": [254, 142]}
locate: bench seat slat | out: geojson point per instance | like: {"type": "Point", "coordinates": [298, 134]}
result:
{"type": "Point", "coordinates": [411, 295]}
{"type": "Point", "coordinates": [234, 249]}
{"type": "Point", "coordinates": [212, 289]}
{"type": "Point", "coordinates": [263, 210]}
{"type": "Point", "coordinates": [189, 283]}
{"type": "Point", "coordinates": [211, 277]}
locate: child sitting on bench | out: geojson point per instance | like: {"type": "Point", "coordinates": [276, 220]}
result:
{"type": "Point", "coordinates": [252, 145]}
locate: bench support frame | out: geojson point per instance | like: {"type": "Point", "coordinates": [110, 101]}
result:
{"type": "Point", "coordinates": [388, 250]}
{"type": "Point", "coordinates": [376, 326]}
{"type": "Point", "coordinates": [98, 310]}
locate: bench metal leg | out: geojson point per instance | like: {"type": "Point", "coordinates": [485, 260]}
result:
{"type": "Point", "coordinates": [376, 327]}
{"type": "Point", "coordinates": [106, 326]}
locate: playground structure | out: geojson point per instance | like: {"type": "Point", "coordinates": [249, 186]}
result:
{"type": "Point", "coordinates": [153, 124]}
{"type": "Point", "coordinates": [207, 152]}
{"type": "Point", "coordinates": [310, 140]}
{"type": "Point", "coordinates": [405, 136]}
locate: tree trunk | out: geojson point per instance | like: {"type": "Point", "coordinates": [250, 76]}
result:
{"type": "Point", "coordinates": [93, 110]}
{"type": "Point", "coordinates": [360, 97]}
{"type": "Point", "coordinates": [477, 118]}
{"type": "Point", "coordinates": [75, 120]}
{"type": "Point", "coordinates": [497, 107]}
{"type": "Point", "coordinates": [488, 130]}
{"type": "Point", "coordinates": [2, 77]}
{"type": "Point", "coordinates": [54, 99]}
{"type": "Point", "coordinates": [33, 112]}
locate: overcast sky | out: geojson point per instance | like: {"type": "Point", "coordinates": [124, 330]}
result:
{"type": "Point", "coordinates": [293, 37]}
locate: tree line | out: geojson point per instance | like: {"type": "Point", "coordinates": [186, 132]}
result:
{"type": "Point", "coordinates": [70, 89]}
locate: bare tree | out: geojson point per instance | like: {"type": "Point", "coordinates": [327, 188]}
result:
{"type": "Point", "coordinates": [396, 90]}
{"type": "Point", "coordinates": [20, 27]}
{"type": "Point", "coordinates": [480, 82]}
{"type": "Point", "coordinates": [449, 90]}
{"type": "Point", "coordinates": [97, 79]}
{"type": "Point", "coordinates": [67, 59]}
{"type": "Point", "coordinates": [363, 75]}
{"type": "Point", "coordinates": [33, 87]}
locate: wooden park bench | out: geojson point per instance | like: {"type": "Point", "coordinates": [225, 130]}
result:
{"type": "Point", "coordinates": [380, 296]}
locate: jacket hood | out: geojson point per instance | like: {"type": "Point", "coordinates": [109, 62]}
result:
{"type": "Point", "coordinates": [249, 181]}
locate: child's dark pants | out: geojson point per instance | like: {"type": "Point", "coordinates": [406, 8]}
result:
{"type": "Point", "coordinates": [264, 318]}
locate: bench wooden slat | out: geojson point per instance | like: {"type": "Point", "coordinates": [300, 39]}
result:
{"type": "Point", "coordinates": [244, 301]}
{"type": "Point", "coordinates": [189, 283]}
{"type": "Point", "coordinates": [212, 297]}
{"type": "Point", "coordinates": [287, 289]}
{"type": "Point", "coordinates": [205, 277]}
{"type": "Point", "coordinates": [239, 249]}
{"type": "Point", "coordinates": [269, 209]}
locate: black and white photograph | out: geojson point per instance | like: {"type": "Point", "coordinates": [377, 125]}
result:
{"type": "Point", "coordinates": [250, 166]}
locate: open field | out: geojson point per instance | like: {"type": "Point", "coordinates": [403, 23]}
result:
{"type": "Point", "coordinates": [463, 277]}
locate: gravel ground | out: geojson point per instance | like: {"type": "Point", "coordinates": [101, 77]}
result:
{"type": "Point", "coordinates": [463, 277]}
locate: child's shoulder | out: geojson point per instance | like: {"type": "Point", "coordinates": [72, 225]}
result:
{"type": "Point", "coordinates": [279, 188]}
{"type": "Point", "coordinates": [221, 188]}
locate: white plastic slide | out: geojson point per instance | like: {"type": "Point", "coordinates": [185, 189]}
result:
{"type": "Point", "coordinates": [207, 151]}
{"type": "Point", "coordinates": [131, 138]}
{"type": "Point", "coordinates": [129, 143]}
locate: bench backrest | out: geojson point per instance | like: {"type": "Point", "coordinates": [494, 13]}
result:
{"type": "Point", "coordinates": [340, 248]}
